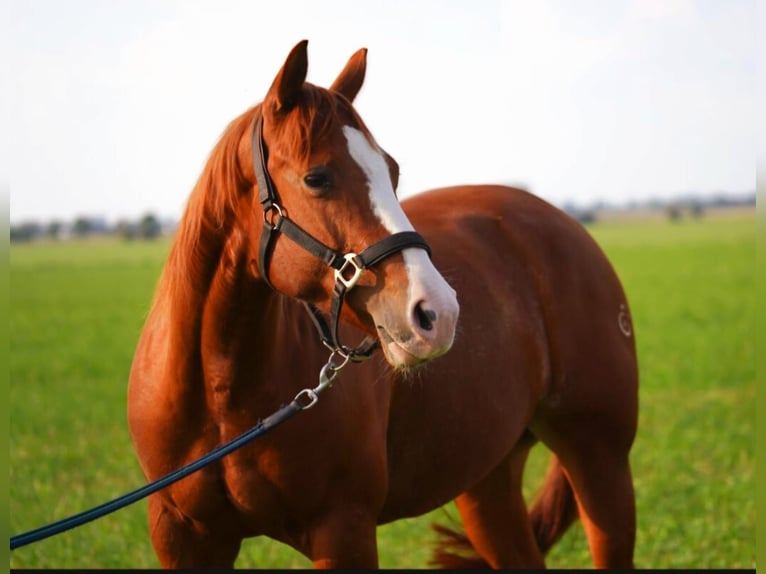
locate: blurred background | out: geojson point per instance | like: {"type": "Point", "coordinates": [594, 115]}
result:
{"type": "Point", "coordinates": [114, 106]}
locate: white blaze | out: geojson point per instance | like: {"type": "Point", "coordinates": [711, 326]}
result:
{"type": "Point", "coordinates": [423, 277]}
{"type": "Point", "coordinates": [374, 165]}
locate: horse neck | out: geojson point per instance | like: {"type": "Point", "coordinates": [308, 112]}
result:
{"type": "Point", "coordinates": [221, 318]}
{"type": "Point", "coordinates": [237, 313]}
{"type": "Point", "coordinates": [207, 242]}
{"type": "Point", "coordinates": [217, 313]}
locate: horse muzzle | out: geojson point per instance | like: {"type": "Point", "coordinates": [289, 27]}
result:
{"type": "Point", "coordinates": [426, 330]}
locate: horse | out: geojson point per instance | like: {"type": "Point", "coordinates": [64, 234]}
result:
{"type": "Point", "coordinates": [498, 324]}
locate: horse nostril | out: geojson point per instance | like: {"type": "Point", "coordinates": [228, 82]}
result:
{"type": "Point", "coordinates": [425, 317]}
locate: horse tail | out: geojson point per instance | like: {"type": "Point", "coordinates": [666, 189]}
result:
{"type": "Point", "coordinates": [554, 509]}
{"type": "Point", "coordinates": [453, 551]}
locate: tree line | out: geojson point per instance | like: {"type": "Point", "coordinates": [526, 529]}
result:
{"type": "Point", "coordinates": [147, 226]}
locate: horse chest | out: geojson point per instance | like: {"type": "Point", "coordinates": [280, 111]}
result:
{"type": "Point", "coordinates": [261, 487]}
{"type": "Point", "coordinates": [234, 491]}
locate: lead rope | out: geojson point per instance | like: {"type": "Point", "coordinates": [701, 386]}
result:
{"type": "Point", "coordinates": [305, 399]}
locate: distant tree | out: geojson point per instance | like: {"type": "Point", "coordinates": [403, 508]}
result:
{"type": "Point", "coordinates": [149, 227]}
{"type": "Point", "coordinates": [673, 211]}
{"type": "Point", "coordinates": [26, 231]}
{"type": "Point", "coordinates": [82, 227]}
{"type": "Point", "coordinates": [53, 229]}
{"type": "Point", "coordinates": [697, 210]}
{"type": "Point", "coordinates": [586, 216]}
{"type": "Point", "coordinates": [125, 230]}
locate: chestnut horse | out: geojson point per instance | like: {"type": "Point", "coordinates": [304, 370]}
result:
{"type": "Point", "coordinates": [540, 349]}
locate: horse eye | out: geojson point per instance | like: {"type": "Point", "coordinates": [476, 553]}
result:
{"type": "Point", "coordinates": [318, 179]}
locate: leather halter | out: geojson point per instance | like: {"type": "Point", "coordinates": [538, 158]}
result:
{"type": "Point", "coordinates": [275, 222]}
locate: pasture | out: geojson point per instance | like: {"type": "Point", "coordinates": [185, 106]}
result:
{"type": "Point", "coordinates": [76, 309]}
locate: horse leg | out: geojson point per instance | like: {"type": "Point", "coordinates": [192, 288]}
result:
{"type": "Point", "coordinates": [345, 538]}
{"type": "Point", "coordinates": [181, 542]}
{"type": "Point", "coordinates": [603, 488]}
{"type": "Point", "coordinates": [598, 470]}
{"type": "Point", "coordinates": [495, 516]}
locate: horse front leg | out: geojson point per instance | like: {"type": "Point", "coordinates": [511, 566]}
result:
{"type": "Point", "coordinates": [346, 537]}
{"type": "Point", "coordinates": [183, 543]}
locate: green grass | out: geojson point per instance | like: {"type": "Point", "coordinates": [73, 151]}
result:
{"type": "Point", "coordinates": [76, 310]}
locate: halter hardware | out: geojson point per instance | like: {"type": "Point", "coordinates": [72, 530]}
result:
{"type": "Point", "coordinates": [270, 212]}
{"type": "Point", "coordinates": [351, 262]}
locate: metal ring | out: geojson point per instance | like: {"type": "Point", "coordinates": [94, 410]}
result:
{"type": "Point", "coordinates": [267, 210]}
{"type": "Point", "coordinates": [312, 396]}
{"type": "Point", "coordinates": [346, 357]}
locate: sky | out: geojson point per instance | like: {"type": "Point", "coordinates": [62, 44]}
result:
{"type": "Point", "coordinates": [114, 105]}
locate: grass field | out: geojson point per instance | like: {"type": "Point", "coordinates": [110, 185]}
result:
{"type": "Point", "coordinates": [76, 310]}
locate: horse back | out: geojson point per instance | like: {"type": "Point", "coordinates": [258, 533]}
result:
{"type": "Point", "coordinates": [525, 257]}
{"type": "Point", "coordinates": [504, 242]}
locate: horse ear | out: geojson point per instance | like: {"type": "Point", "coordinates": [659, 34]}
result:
{"type": "Point", "coordinates": [349, 81]}
{"type": "Point", "coordinates": [286, 88]}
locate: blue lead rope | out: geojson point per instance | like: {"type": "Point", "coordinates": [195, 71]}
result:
{"type": "Point", "coordinates": [260, 429]}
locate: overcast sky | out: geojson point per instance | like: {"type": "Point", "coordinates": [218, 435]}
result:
{"type": "Point", "coordinates": [114, 105]}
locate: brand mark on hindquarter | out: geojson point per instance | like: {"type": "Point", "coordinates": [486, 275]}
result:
{"type": "Point", "coordinates": [623, 320]}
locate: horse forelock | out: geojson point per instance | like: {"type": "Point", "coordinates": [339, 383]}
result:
{"type": "Point", "coordinates": [307, 126]}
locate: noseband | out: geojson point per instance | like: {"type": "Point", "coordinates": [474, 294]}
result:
{"type": "Point", "coordinates": [348, 267]}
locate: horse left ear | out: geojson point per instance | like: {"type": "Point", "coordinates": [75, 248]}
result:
{"type": "Point", "coordinates": [349, 81]}
{"type": "Point", "coordinates": [286, 88]}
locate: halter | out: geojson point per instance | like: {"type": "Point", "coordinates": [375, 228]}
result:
{"type": "Point", "coordinates": [348, 267]}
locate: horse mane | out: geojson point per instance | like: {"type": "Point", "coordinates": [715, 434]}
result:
{"type": "Point", "coordinates": [206, 221]}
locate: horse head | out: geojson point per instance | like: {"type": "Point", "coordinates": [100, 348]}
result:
{"type": "Point", "coordinates": [335, 184]}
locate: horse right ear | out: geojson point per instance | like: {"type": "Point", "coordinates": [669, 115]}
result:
{"type": "Point", "coordinates": [285, 91]}
{"type": "Point", "coordinates": [349, 81]}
